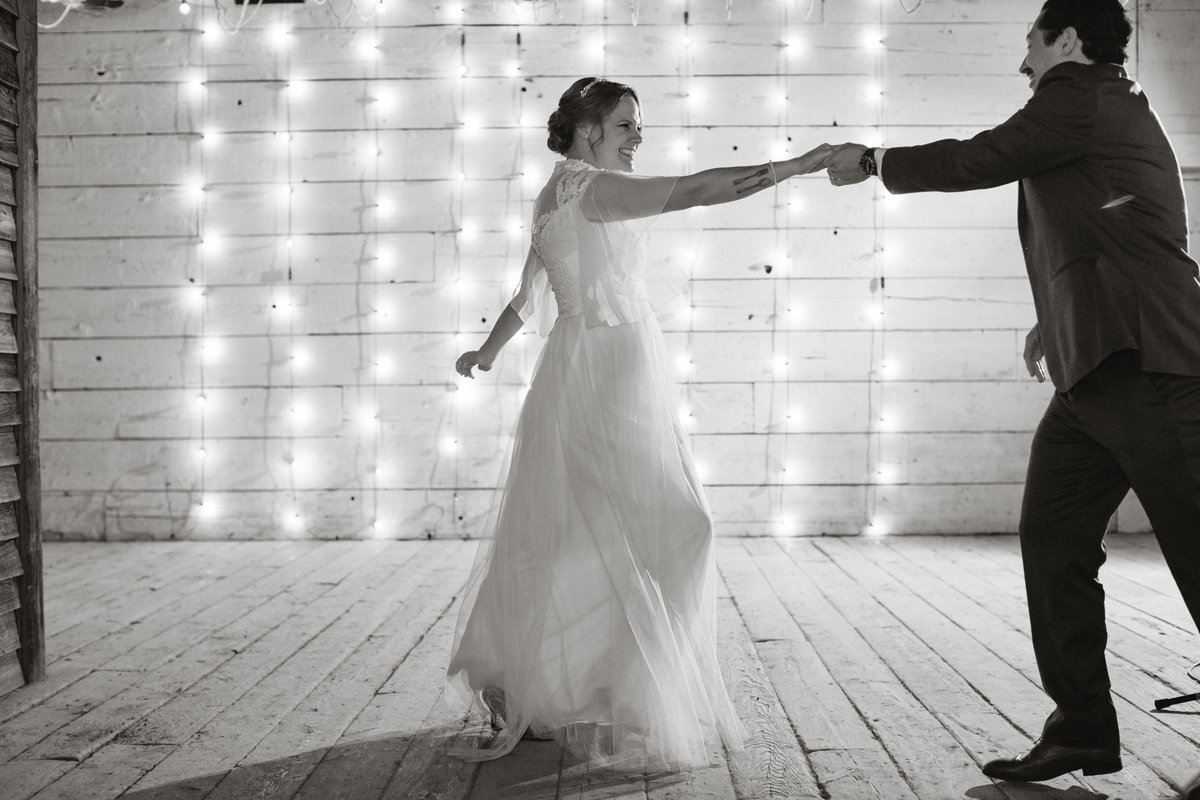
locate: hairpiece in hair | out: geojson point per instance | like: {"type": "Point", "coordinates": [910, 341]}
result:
{"type": "Point", "coordinates": [583, 92]}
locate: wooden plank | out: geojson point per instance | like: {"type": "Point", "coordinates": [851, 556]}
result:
{"type": "Point", "coordinates": [88, 589]}
{"type": "Point", "coordinates": [118, 602]}
{"type": "Point", "coordinates": [8, 194]}
{"type": "Point", "coordinates": [31, 726]}
{"type": "Point", "coordinates": [8, 145]}
{"type": "Point", "coordinates": [10, 560]}
{"type": "Point", "coordinates": [33, 694]}
{"type": "Point", "coordinates": [844, 752]}
{"type": "Point", "coordinates": [8, 447]}
{"type": "Point", "coordinates": [23, 779]}
{"type": "Point", "coordinates": [402, 513]}
{"type": "Point", "coordinates": [10, 598]}
{"type": "Point", "coordinates": [8, 334]}
{"type": "Point", "coordinates": [8, 29]}
{"type": "Point", "coordinates": [8, 220]}
{"type": "Point", "coordinates": [8, 521]}
{"type": "Point", "coordinates": [106, 774]}
{"type": "Point", "coordinates": [8, 264]}
{"type": "Point", "coordinates": [162, 635]}
{"type": "Point", "coordinates": [29, 507]}
{"type": "Point", "coordinates": [773, 763]}
{"type": "Point", "coordinates": [9, 640]}
{"type": "Point", "coordinates": [10, 664]}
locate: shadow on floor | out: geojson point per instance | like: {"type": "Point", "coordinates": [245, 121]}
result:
{"type": "Point", "coordinates": [408, 766]}
{"type": "Point", "coordinates": [1006, 790]}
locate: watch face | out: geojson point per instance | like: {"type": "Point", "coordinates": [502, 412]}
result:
{"type": "Point", "coordinates": [867, 162]}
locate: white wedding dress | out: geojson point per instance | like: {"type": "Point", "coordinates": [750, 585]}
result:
{"type": "Point", "coordinates": [591, 604]}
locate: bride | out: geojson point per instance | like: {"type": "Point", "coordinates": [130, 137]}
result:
{"type": "Point", "coordinates": [589, 615]}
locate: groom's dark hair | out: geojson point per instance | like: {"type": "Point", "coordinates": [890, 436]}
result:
{"type": "Point", "coordinates": [1101, 25]}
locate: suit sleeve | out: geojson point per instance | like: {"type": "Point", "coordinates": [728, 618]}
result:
{"type": "Point", "coordinates": [1049, 131]}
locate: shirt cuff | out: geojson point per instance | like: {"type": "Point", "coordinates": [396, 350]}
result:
{"type": "Point", "coordinates": [879, 151]}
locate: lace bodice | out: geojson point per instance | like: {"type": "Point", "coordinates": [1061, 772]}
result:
{"type": "Point", "coordinates": [587, 245]}
{"type": "Point", "coordinates": [555, 229]}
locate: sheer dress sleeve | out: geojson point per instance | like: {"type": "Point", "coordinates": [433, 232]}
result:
{"type": "Point", "coordinates": [616, 211]}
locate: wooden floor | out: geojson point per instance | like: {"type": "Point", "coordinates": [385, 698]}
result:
{"type": "Point", "coordinates": [862, 668]}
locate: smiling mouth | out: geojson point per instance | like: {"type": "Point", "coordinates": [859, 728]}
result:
{"type": "Point", "coordinates": [627, 152]}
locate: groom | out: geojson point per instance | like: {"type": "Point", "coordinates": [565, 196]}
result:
{"type": "Point", "coordinates": [1102, 220]}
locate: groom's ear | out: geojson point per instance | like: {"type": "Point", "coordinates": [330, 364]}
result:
{"type": "Point", "coordinates": [1068, 41]}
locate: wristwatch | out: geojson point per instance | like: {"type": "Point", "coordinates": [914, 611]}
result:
{"type": "Point", "coordinates": [867, 162]}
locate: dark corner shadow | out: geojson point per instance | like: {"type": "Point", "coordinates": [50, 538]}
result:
{"type": "Point", "coordinates": [1007, 790]}
{"type": "Point", "coordinates": [398, 766]}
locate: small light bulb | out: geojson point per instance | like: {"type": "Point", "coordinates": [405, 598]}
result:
{"type": "Point", "coordinates": [184, 7]}
{"type": "Point", "coordinates": [385, 100]}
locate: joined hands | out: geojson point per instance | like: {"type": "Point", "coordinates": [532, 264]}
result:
{"type": "Point", "coordinates": [843, 164]}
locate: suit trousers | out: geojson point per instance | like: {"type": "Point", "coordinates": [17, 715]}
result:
{"type": "Point", "coordinates": [1117, 428]}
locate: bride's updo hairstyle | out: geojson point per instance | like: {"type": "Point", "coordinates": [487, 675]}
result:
{"type": "Point", "coordinates": [588, 101]}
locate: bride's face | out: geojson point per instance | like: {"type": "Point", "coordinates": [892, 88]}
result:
{"type": "Point", "coordinates": [622, 133]}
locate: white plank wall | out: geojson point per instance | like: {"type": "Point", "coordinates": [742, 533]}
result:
{"type": "Point", "coordinates": [261, 253]}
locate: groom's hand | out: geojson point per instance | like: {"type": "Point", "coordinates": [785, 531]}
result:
{"type": "Point", "coordinates": [843, 164]}
{"type": "Point", "coordinates": [1034, 354]}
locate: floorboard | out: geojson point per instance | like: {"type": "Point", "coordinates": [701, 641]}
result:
{"type": "Point", "coordinates": [862, 669]}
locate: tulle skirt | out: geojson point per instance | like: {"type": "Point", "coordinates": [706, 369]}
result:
{"type": "Point", "coordinates": [591, 604]}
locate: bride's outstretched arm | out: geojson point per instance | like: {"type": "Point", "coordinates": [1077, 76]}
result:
{"type": "Point", "coordinates": [725, 184]}
{"type": "Point", "coordinates": [507, 325]}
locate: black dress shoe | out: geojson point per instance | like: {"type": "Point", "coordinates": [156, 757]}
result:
{"type": "Point", "coordinates": [1046, 761]}
{"type": "Point", "coordinates": [1192, 790]}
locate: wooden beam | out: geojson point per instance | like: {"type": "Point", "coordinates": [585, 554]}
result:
{"type": "Point", "coordinates": [30, 620]}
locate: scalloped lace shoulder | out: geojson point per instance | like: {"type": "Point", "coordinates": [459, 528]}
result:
{"type": "Point", "coordinates": [573, 182]}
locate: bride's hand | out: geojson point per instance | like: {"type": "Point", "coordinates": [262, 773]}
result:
{"type": "Point", "coordinates": [473, 358]}
{"type": "Point", "coordinates": [814, 160]}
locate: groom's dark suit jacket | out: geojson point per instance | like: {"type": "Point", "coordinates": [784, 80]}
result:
{"type": "Point", "coordinates": [1102, 218]}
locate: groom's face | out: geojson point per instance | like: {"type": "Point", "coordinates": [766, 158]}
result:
{"type": "Point", "coordinates": [1039, 56]}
